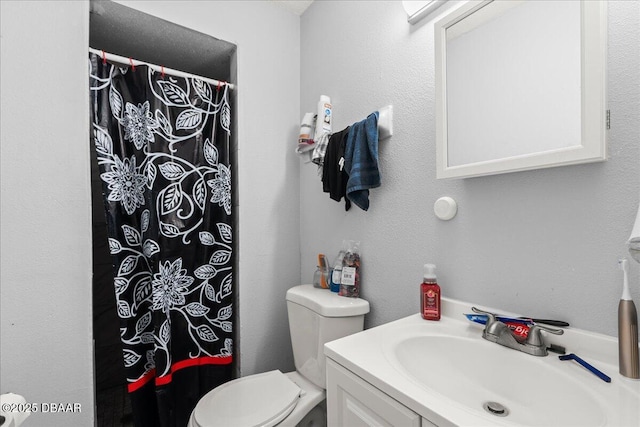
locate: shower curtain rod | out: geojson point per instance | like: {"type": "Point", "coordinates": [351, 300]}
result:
{"type": "Point", "coordinates": [127, 61]}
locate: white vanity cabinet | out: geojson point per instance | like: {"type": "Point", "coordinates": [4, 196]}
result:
{"type": "Point", "coordinates": [353, 402]}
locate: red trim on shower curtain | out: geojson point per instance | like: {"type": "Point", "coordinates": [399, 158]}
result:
{"type": "Point", "coordinates": [166, 379]}
{"type": "Point", "coordinates": [199, 361]}
{"type": "Point", "coordinates": [149, 375]}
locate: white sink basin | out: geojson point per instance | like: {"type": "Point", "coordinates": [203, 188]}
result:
{"type": "Point", "coordinates": [445, 371]}
{"type": "Point", "coordinates": [532, 391]}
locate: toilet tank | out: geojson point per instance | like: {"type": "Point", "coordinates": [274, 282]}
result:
{"type": "Point", "coordinates": [317, 316]}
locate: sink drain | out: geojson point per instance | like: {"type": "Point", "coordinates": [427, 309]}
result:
{"type": "Point", "coordinates": [494, 408]}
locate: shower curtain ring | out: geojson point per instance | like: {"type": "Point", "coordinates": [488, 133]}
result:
{"type": "Point", "coordinates": [133, 67]}
{"type": "Point", "coordinates": [104, 58]}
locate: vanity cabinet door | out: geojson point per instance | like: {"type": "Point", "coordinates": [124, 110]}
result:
{"type": "Point", "coordinates": [353, 402]}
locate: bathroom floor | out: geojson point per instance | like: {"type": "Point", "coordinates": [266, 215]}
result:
{"type": "Point", "coordinates": [114, 407]}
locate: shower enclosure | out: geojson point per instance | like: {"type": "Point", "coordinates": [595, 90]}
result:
{"type": "Point", "coordinates": [111, 24]}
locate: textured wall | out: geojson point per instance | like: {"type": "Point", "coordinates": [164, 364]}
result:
{"type": "Point", "coordinates": [46, 208]}
{"type": "Point", "coordinates": [544, 243]}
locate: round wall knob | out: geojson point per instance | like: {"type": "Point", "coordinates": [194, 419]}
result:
{"type": "Point", "coordinates": [445, 208]}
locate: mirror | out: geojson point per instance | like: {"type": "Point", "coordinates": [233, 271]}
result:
{"type": "Point", "coordinates": [520, 85]}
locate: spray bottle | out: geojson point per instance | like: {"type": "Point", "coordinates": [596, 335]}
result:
{"type": "Point", "coordinates": [627, 329]}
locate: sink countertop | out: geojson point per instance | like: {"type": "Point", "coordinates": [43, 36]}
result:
{"type": "Point", "coordinates": [370, 355]}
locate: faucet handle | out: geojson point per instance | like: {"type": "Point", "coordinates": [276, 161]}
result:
{"type": "Point", "coordinates": [491, 317]}
{"type": "Point", "coordinates": [535, 337]}
{"type": "Point", "coordinates": [548, 329]}
{"type": "Point", "coordinates": [493, 328]}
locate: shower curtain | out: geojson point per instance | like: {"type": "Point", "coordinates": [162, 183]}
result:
{"type": "Point", "coordinates": [162, 145]}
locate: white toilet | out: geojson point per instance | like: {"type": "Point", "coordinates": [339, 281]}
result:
{"type": "Point", "coordinates": [316, 316]}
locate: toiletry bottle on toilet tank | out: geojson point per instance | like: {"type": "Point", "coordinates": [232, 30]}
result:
{"type": "Point", "coordinates": [430, 294]}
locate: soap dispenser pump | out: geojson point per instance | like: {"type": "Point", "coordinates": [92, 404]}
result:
{"type": "Point", "coordinates": [627, 329]}
{"type": "Point", "coordinates": [430, 294]}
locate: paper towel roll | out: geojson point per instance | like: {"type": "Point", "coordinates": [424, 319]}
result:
{"type": "Point", "coordinates": [14, 418]}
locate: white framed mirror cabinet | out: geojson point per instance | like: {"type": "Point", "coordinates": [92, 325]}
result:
{"type": "Point", "coordinates": [520, 85]}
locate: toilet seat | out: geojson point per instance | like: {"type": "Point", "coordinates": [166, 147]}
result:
{"type": "Point", "coordinates": [257, 400]}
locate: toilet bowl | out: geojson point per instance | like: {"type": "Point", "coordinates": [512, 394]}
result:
{"type": "Point", "coordinates": [316, 316]}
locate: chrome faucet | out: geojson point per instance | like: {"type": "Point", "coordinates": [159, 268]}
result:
{"type": "Point", "coordinates": [499, 333]}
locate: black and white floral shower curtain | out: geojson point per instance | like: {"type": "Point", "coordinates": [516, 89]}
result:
{"type": "Point", "coordinates": [162, 144]}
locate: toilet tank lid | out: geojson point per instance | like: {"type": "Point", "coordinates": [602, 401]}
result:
{"type": "Point", "coordinates": [327, 303]}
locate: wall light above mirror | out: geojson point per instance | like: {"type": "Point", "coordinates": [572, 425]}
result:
{"type": "Point", "coordinates": [520, 85]}
{"type": "Point", "coordinates": [416, 10]}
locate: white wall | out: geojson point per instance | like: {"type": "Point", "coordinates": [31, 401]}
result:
{"type": "Point", "coordinates": [544, 243]}
{"type": "Point", "coordinates": [45, 285]}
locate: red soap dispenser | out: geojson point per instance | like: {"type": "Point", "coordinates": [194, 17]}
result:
{"type": "Point", "coordinates": [430, 294]}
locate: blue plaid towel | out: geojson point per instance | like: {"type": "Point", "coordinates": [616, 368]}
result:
{"type": "Point", "coordinates": [361, 160]}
